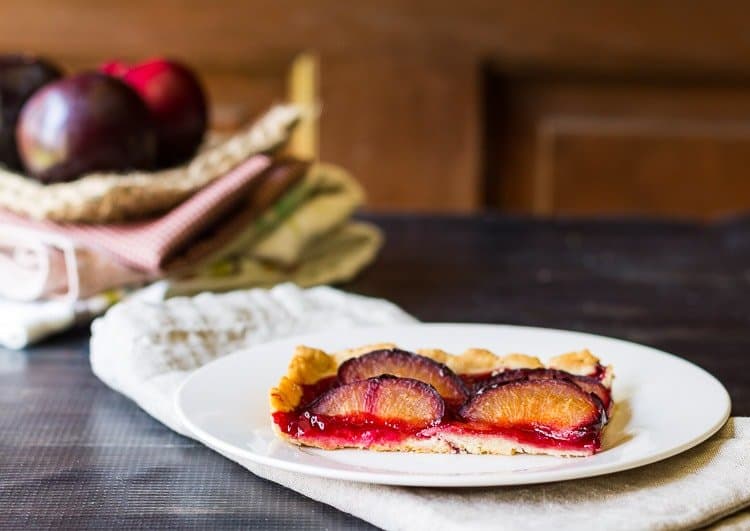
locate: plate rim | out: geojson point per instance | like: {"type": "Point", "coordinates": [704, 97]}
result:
{"type": "Point", "coordinates": [459, 480]}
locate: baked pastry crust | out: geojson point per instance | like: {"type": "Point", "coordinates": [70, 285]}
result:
{"type": "Point", "coordinates": [310, 365]}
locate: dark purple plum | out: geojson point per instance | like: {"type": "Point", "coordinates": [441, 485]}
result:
{"type": "Point", "coordinates": [558, 405]}
{"type": "Point", "coordinates": [387, 398]}
{"type": "Point", "coordinates": [85, 123]}
{"type": "Point", "coordinates": [405, 365]}
{"type": "Point", "coordinates": [20, 77]}
{"type": "Point", "coordinates": [587, 383]}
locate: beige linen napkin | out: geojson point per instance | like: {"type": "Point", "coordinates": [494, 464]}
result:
{"type": "Point", "coordinates": [145, 350]}
{"type": "Point", "coordinates": [307, 238]}
{"type": "Point", "coordinates": [701, 487]}
{"type": "Point", "coordinates": [145, 347]}
{"type": "Point", "coordinates": [337, 256]}
{"type": "Point", "coordinates": [35, 265]}
{"type": "Point", "coordinates": [147, 245]}
{"type": "Point", "coordinates": [737, 522]}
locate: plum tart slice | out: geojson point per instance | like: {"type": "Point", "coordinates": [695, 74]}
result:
{"type": "Point", "coordinates": [380, 397]}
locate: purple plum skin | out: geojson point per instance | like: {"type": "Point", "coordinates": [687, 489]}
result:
{"type": "Point", "coordinates": [405, 364]}
{"type": "Point", "coordinates": [85, 123]}
{"type": "Point", "coordinates": [20, 77]}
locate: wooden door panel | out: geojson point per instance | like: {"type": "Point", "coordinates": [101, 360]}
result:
{"type": "Point", "coordinates": [587, 146]}
{"type": "Point", "coordinates": [401, 87]}
{"type": "Point", "coordinates": [643, 167]}
{"type": "Point", "coordinates": [407, 127]}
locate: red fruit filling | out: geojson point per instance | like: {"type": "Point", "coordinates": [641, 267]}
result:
{"type": "Point", "coordinates": [373, 411]}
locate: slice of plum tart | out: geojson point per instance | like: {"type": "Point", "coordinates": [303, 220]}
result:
{"type": "Point", "coordinates": [380, 397]}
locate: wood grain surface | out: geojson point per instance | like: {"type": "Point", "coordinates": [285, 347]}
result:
{"type": "Point", "coordinates": [407, 106]}
{"type": "Point", "coordinates": [593, 145]}
{"type": "Point", "coordinates": [75, 454]}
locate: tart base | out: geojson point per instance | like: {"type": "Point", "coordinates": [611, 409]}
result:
{"type": "Point", "coordinates": [444, 442]}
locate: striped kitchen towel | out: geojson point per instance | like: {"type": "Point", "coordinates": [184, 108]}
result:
{"type": "Point", "coordinates": [148, 245]}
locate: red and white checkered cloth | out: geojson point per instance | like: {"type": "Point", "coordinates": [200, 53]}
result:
{"type": "Point", "coordinates": [147, 245]}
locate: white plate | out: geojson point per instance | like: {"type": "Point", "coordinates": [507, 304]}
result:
{"type": "Point", "coordinates": [665, 406]}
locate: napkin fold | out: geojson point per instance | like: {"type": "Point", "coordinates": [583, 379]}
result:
{"type": "Point", "coordinates": [293, 225]}
{"type": "Point", "coordinates": [147, 245]}
{"type": "Point", "coordinates": [24, 323]}
{"type": "Point", "coordinates": [37, 266]}
{"type": "Point", "coordinates": [708, 485]}
{"type": "Point", "coordinates": [146, 349]}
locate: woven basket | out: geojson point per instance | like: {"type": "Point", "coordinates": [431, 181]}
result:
{"type": "Point", "coordinates": [109, 197]}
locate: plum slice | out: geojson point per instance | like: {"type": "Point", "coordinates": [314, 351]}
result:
{"type": "Point", "coordinates": [385, 398]}
{"type": "Point", "coordinates": [405, 365]}
{"type": "Point", "coordinates": [556, 405]}
{"type": "Point", "coordinates": [586, 383]}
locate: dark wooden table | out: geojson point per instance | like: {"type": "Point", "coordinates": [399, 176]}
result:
{"type": "Point", "coordinates": [75, 454]}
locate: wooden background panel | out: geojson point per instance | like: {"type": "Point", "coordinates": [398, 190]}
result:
{"type": "Point", "coordinates": [237, 98]}
{"type": "Point", "coordinates": [407, 127]}
{"type": "Point", "coordinates": [579, 131]}
{"type": "Point", "coordinates": [400, 114]}
{"type": "Point", "coordinates": [673, 168]}
{"type": "Point", "coordinates": [383, 119]}
{"type": "Point", "coordinates": [406, 106]}
{"type": "Point", "coordinates": [589, 34]}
